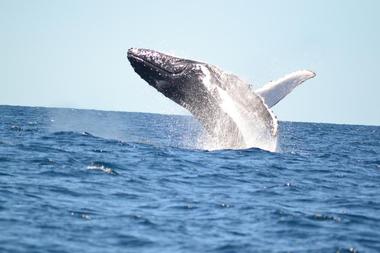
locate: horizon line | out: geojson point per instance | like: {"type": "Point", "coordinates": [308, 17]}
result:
{"type": "Point", "coordinates": [171, 114]}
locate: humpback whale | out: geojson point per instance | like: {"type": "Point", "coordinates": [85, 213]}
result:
{"type": "Point", "coordinates": [233, 115]}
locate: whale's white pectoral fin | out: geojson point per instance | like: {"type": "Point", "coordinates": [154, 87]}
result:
{"type": "Point", "coordinates": [275, 91]}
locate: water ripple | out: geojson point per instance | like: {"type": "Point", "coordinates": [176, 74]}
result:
{"type": "Point", "coordinates": [79, 180]}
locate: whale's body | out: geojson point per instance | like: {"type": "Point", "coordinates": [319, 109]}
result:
{"type": "Point", "coordinates": [232, 113]}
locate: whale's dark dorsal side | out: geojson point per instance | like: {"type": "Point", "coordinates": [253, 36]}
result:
{"type": "Point", "coordinates": [233, 114]}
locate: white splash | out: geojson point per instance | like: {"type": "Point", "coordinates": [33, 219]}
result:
{"type": "Point", "coordinates": [250, 130]}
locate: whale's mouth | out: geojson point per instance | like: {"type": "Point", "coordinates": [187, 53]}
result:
{"type": "Point", "coordinates": [137, 60]}
{"type": "Point", "coordinates": [152, 65]}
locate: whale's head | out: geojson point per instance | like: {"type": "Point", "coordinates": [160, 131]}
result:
{"type": "Point", "coordinates": [174, 77]}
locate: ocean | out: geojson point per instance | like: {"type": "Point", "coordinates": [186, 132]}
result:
{"type": "Point", "coordinates": [96, 181]}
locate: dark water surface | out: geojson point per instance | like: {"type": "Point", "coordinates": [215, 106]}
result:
{"type": "Point", "coordinates": [94, 181]}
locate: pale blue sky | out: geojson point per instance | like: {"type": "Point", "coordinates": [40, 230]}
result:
{"type": "Point", "coordinates": [73, 53]}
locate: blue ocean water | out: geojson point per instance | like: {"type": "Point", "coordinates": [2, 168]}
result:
{"type": "Point", "coordinates": [96, 181]}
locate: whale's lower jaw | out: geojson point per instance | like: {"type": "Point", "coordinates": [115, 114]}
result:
{"type": "Point", "coordinates": [241, 118]}
{"type": "Point", "coordinates": [229, 127]}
